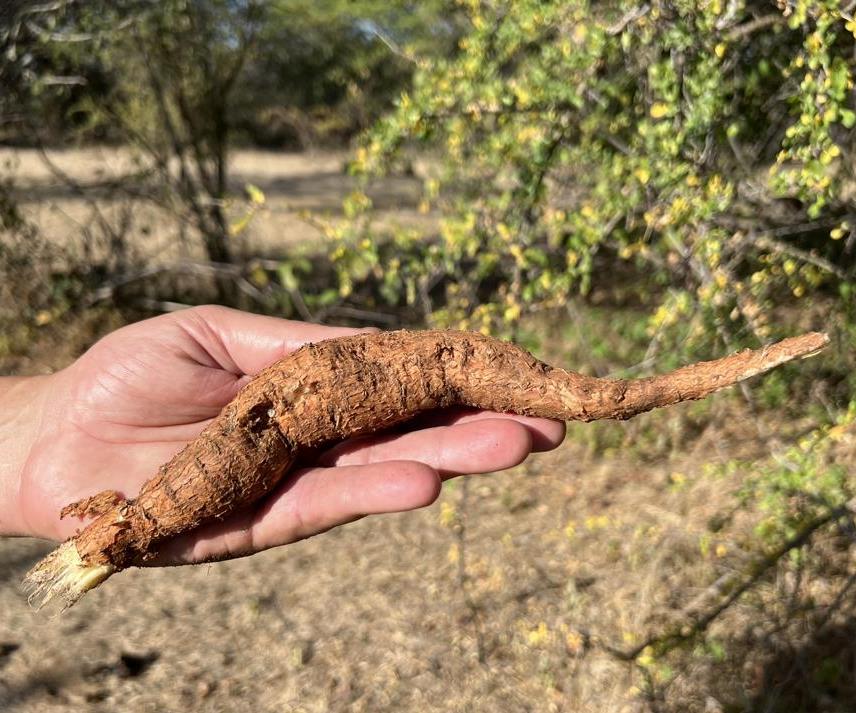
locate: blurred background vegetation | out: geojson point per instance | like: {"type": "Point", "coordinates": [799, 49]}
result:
{"type": "Point", "coordinates": [621, 186]}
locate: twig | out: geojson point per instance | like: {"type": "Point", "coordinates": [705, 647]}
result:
{"type": "Point", "coordinates": [391, 44]}
{"type": "Point", "coordinates": [235, 271]}
{"type": "Point", "coordinates": [753, 26]}
{"type": "Point", "coordinates": [108, 289]}
{"type": "Point", "coordinates": [630, 16]}
{"type": "Point", "coordinates": [697, 622]}
{"type": "Point", "coordinates": [50, 36]}
{"type": "Point", "coordinates": [162, 305]}
{"type": "Point", "coordinates": [728, 15]}
{"type": "Point", "coordinates": [379, 317]}
{"type": "Point", "coordinates": [64, 81]}
{"type": "Point", "coordinates": [770, 243]}
{"type": "Point", "coordinates": [299, 304]}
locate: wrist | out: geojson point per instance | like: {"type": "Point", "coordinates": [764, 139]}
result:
{"type": "Point", "coordinates": [23, 403]}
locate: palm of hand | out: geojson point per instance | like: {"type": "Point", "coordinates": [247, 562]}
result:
{"type": "Point", "coordinates": [138, 396]}
{"type": "Point", "coordinates": [128, 405]}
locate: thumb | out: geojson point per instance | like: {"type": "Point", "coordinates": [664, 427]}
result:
{"type": "Point", "coordinates": [245, 343]}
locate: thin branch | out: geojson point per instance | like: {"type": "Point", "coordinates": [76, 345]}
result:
{"type": "Point", "coordinates": [753, 26]}
{"type": "Point", "coordinates": [49, 36]}
{"type": "Point", "coordinates": [60, 81]}
{"type": "Point", "coordinates": [300, 304]}
{"type": "Point", "coordinates": [728, 15]}
{"type": "Point", "coordinates": [108, 289]}
{"type": "Point", "coordinates": [392, 45]}
{"type": "Point", "coordinates": [778, 246]}
{"type": "Point", "coordinates": [696, 622]}
{"type": "Point", "coordinates": [630, 16]}
{"type": "Point", "coordinates": [366, 315]}
{"type": "Point", "coordinates": [162, 305]}
{"type": "Point", "coordinates": [46, 7]}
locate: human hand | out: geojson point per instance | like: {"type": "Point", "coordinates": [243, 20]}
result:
{"type": "Point", "coordinates": [139, 395]}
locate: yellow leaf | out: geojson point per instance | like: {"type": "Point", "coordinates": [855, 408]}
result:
{"type": "Point", "coordinates": [43, 317]}
{"type": "Point", "coordinates": [447, 514]}
{"type": "Point", "coordinates": [646, 658]}
{"type": "Point", "coordinates": [259, 277]}
{"type": "Point", "coordinates": [659, 110]}
{"type": "Point", "coordinates": [539, 636]}
{"type": "Point", "coordinates": [570, 529]}
{"type": "Point", "coordinates": [512, 313]}
{"type": "Point", "coordinates": [575, 642]}
{"type": "Point", "coordinates": [596, 522]}
{"type": "Point", "coordinates": [836, 433]}
{"type": "Point", "coordinates": [255, 194]}
{"type": "Point", "coordinates": [240, 225]}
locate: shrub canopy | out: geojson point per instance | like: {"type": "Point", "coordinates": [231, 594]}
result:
{"type": "Point", "coordinates": [708, 143]}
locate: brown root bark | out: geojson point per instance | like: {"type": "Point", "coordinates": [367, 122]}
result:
{"type": "Point", "coordinates": [347, 387]}
{"type": "Point", "coordinates": [94, 505]}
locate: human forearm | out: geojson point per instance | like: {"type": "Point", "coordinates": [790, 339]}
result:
{"type": "Point", "coordinates": [22, 405]}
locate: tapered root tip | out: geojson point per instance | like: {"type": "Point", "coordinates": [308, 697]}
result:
{"type": "Point", "coordinates": [816, 342]}
{"type": "Point", "coordinates": [773, 355]}
{"type": "Point", "coordinates": [63, 576]}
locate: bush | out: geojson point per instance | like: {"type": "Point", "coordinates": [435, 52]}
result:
{"type": "Point", "coordinates": [707, 144]}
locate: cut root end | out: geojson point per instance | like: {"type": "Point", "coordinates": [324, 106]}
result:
{"type": "Point", "coordinates": [64, 576]}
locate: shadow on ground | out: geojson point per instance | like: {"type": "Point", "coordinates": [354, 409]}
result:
{"type": "Point", "coordinates": [817, 676]}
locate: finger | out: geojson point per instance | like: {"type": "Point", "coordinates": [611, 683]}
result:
{"type": "Point", "coordinates": [321, 498]}
{"type": "Point", "coordinates": [546, 434]}
{"type": "Point", "coordinates": [311, 501]}
{"type": "Point", "coordinates": [482, 446]}
{"type": "Point", "coordinates": [245, 343]}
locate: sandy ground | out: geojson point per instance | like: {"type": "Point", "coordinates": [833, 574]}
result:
{"type": "Point", "coordinates": [292, 184]}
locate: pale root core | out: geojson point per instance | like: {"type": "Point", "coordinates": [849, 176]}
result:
{"type": "Point", "coordinates": [63, 575]}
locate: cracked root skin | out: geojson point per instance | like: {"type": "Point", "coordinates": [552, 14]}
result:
{"type": "Point", "coordinates": [341, 388]}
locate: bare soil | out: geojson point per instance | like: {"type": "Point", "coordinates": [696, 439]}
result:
{"type": "Point", "coordinates": [292, 184]}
